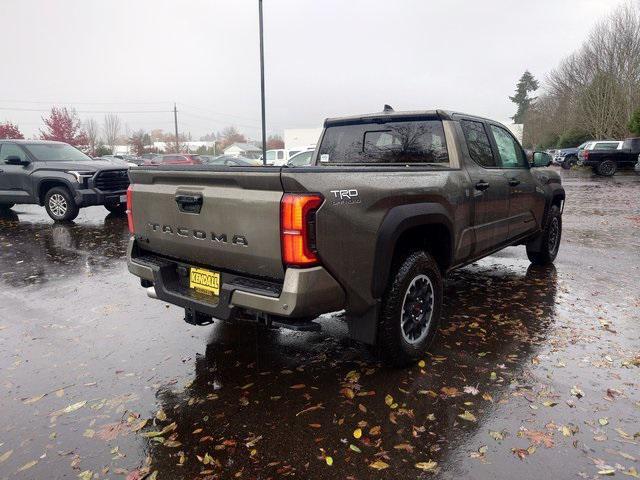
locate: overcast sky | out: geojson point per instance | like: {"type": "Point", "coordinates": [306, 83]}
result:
{"type": "Point", "coordinates": [323, 57]}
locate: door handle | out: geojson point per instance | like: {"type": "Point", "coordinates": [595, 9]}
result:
{"type": "Point", "coordinates": [189, 203]}
{"type": "Point", "coordinates": [482, 185]}
{"type": "Point", "coordinates": [514, 182]}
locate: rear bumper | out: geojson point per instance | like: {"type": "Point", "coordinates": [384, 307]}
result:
{"type": "Point", "coordinates": [304, 292]}
{"type": "Point", "coordinates": [91, 196]}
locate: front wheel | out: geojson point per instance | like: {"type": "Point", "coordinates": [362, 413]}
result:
{"type": "Point", "coordinates": [60, 205]}
{"type": "Point", "coordinates": [411, 310]}
{"type": "Point", "coordinates": [118, 209]}
{"type": "Point", "coordinates": [607, 168]}
{"type": "Point", "coordinates": [543, 250]}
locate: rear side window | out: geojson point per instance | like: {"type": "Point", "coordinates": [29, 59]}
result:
{"type": "Point", "coordinates": [412, 142]}
{"type": "Point", "coordinates": [478, 143]}
{"type": "Point", "coordinates": [606, 146]}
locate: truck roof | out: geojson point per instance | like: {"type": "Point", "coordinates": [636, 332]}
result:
{"type": "Point", "coordinates": [388, 113]}
{"type": "Point", "coordinates": [30, 142]}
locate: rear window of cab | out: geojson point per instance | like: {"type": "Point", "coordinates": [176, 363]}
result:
{"type": "Point", "coordinates": [391, 143]}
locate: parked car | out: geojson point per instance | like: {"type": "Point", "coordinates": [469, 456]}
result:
{"type": "Point", "coordinates": [599, 145]}
{"type": "Point", "coordinates": [605, 158]}
{"type": "Point", "coordinates": [59, 177]}
{"type": "Point", "coordinates": [372, 229]}
{"type": "Point", "coordinates": [568, 157]}
{"type": "Point", "coordinates": [301, 159]}
{"type": "Point", "coordinates": [174, 159]}
{"type": "Point", "coordinates": [117, 160]}
{"type": "Point", "coordinates": [282, 156]}
{"type": "Point", "coordinates": [232, 161]}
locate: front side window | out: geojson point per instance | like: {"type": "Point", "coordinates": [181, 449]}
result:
{"type": "Point", "coordinates": [478, 143]}
{"type": "Point", "coordinates": [56, 152]}
{"type": "Point", "coordinates": [11, 150]}
{"type": "Point", "coordinates": [411, 142]}
{"type": "Point", "coordinates": [509, 150]}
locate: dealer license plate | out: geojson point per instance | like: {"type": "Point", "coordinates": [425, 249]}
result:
{"type": "Point", "coordinates": [204, 281]}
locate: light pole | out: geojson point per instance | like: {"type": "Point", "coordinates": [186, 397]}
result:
{"type": "Point", "coordinates": [264, 128]}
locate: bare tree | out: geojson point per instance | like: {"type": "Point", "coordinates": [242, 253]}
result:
{"type": "Point", "coordinates": [111, 129]}
{"type": "Point", "coordinates": [92, 129]}
{"type": "Point", "coordinates": [597, 88]}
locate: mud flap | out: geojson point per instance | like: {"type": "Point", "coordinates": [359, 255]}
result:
{"type": "Point", "coordinates": [363, 328]}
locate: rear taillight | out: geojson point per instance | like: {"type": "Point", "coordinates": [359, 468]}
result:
{"type": "Point", "coordinates": [297, 228]}
{"type": "Point", "coordinates": [585, 154]}
{"type": "Point", "coordinates": [130, 209]}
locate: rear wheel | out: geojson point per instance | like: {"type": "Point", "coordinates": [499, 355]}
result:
{"type": "Point", "coordinates": [410, 310]}
{"type": "Point", "coordinates": [60, 205]}
{"type": "Point", "coordinates": [118, 209]}
{"type": "Point", "coordinates": [544, 250]}
{"type": "Point", "coordinates": [6, 206]}
{"type": "Point", "coordinates": [607, 168]}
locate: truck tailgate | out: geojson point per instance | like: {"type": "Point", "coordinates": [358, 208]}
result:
{"type": "Point", "coordinates": [236, 227]}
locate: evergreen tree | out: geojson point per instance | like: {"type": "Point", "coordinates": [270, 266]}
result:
{"type": "Point", "coordinates": [526, 84]}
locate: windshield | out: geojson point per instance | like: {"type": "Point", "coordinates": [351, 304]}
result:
{"type": "Point", "coordinates": [56, 152]}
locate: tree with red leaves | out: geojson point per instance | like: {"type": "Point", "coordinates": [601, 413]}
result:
{"type": "Point", "coordinates": [9, 130]}
{"type": "Point", "coordinates": [274, 142]}
{"type": "Point", "coordinates": [63, 125]}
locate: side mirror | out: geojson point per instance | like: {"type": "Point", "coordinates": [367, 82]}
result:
{"type": "Point", "coordinates": [15, 160]}
{"type": "Point", "coordinates": [541, 159]}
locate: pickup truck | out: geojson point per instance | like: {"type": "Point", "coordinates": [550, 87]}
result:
{"type": "Point", "coordinates": [606, 162]}
{"type": "Point", "coordinates": [59, 177]}
{"type": "Point", "coordinates": [390, 203]}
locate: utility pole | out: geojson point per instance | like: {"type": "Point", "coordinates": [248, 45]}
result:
{"type": "Point", "coordinates": [264, 128]}
{"type": "Point", "coordinates": [175, 122]}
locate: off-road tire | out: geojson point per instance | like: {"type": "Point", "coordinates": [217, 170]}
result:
{"type": "Point", "coordinates": [119, 209]}
{"type": "Point", "coordinates": [550, 242]}
{"type": "Point", "coordinates": [392, 346]}
{"type": "Point", "coordinates": [6, 206]}
{"type": "Point", "coordinates": [607, 168]}
{"type": "Point", "coordinates": [60, 204]}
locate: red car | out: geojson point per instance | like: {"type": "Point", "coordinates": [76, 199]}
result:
{"type": "Point", "coordinates": [175, 159]}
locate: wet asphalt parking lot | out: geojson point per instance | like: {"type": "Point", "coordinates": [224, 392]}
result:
{"type": "Point", "coordinates": [535, 372]}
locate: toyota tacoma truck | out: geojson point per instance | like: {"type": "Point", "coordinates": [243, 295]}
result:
{"type": "Point", "coordinates": [59, 177]}
{"type": "Point", "coordinates": [390, 204]}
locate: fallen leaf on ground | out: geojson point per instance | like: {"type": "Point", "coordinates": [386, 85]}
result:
{"type": "Point", "coordinates": [471, 390]}
{"type": "Point", "coordinates": [357, 433]}
{"type": "Point", "coordinates": [31, 400]}
{"type": "Point", "coordinates": [429, 466]}
{"type": "Point", "coordinates": [27, 466]}
{"type": "Point", "coordinates": [468, 416]}
{"type": "Point", "coordinates": [5, 456]}
{"type": "Point", "coordinates": [379, 465]}
{"type": "Point", "coordinates": [538, 437]}
{"type": "Point", "coordinates": [576, 392]}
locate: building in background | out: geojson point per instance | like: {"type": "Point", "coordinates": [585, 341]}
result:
{"type": "Point", "coordinates": [301, 138]}
{"type": "Point", "coordinates": [243, 150]}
